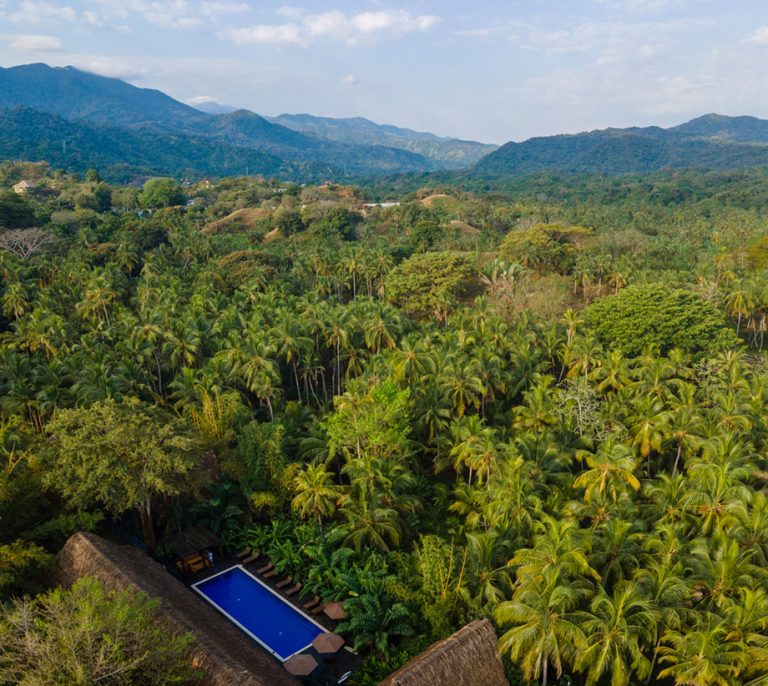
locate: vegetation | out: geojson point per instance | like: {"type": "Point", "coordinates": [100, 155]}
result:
{"type": "Point", "coordinates": [547, 408]}
{"type": "Point", "coordinates": [87, 636]}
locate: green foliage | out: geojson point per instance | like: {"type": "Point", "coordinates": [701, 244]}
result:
{"type": "Point", "coordinates": [161, 192]}
{"type": "Point", "coordinates": [602, 499]}
{"type": "Point", "coordinates": [120, 456]}
{"type": "Point", "coordinates": [88, 635]}
{"type": "Point", "coordinates": [429, 284]}
{"type": "Point", "coordinates": [16, 212]}
{"type": "Point", "coordinates": [660, 318]}
{"type": "Point", "coordinates": [338, 222]}
{"type": "Point", "coordinates": [543, 246]}
{"type": "Point", "coordinates": [21, 568]}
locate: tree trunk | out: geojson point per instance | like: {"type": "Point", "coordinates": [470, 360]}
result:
{"type": "Point", "coordinates": [147, 526]}
{"type": "Point", "coordinates": [544, 672]}
{"type": "Point", "coordinates": [677, 458]}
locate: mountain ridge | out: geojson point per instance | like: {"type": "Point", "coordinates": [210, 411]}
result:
{"type": "Point", "coordinates": [95, 100]}
{"type": "Point", "coordinates": [711, 141]}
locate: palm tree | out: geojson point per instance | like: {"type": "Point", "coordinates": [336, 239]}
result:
{"type": "Point", "coordinates": [611, 472]}
{"type": "Point", "coordinates": [375, 621]}
{"type": "Point", "coordinates": [702, 655]}
{"type": "Point", "coordinates": [370, 523]}
{"type": "Point", "coordinates": [316, 494]}
{"type": "Point", "coordinates": [619, 630]}
{"type": "Point", "coordinates": [15, 301]}
{"type": "Point", "coordinates": [545, 627]}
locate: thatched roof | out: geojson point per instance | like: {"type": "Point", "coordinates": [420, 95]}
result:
{"type": "Point", "coordinates": [467, 657]}
{"type": "Point", "coordinates": [226, 656]}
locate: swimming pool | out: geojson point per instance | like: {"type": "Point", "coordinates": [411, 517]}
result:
{"type": "Point", "coordinates": [264, 615]}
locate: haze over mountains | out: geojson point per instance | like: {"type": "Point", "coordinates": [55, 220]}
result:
{"type": "Point", "coordinates": [69, 117]}
{"type": "Point", "coordinates": [78, 120]}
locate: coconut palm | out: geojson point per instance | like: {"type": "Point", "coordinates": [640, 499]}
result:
{"type": "Point", "coordinates": [621, 627]}
{"type": "Point", "coordinates": [545, 628]}
{"type": "Point", "coordinates": [316, 494]}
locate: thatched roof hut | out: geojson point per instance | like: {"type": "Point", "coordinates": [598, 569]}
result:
{"type": "Point", "coordinates": [226, 656]}
{"type": "Point", "coordinates": [467, 657]}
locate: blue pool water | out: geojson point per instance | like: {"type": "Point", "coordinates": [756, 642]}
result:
{"type": "Point", "coordinates": [269, 619]}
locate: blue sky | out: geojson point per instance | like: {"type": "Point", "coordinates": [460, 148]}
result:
{"type": "Point", "coordinates": [490, 70]}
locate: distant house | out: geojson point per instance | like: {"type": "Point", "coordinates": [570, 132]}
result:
{"type": "Point", "coordinates": [24, 187]}
{"type": "Point", "coordinates": [370, 206]}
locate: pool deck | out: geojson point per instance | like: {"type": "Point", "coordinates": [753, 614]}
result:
{"type": "Point", "coordinates": [346, 660]}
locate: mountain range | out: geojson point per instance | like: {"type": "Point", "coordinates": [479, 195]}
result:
{"type": "Point", "coordinates": [76, 120]}
{"type": "Point", "coordinates": [72, 117]}
{"type": "Point", "coordinates": [709, 142]}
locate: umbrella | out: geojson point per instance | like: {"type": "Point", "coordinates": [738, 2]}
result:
{"type": "Point", "coordinates": [328, 644]}
{"type": "Point", "coordinates": [301, 665]}
{"type": "Point", "coordinates": [334, 611]}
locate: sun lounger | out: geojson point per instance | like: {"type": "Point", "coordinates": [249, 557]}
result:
{"type": "Point", "coordinates": [251, 558]}
{"type": "Point", "coordinates": [318, 609]}
{"type": "Point", "coordinates": [265, 568]}
{"type": "Point", "coordinates": [311, 603]}
{"type": "Point", "coordinates": [197, 566]}
{"type": "Point", "coordinates": [270, 574]}
{"type": "Point", "coordinates": [294, 589]}
{"type": "Point", "coordinates": [285, 582]}
{"type": "Point", "coordinates": [240, 554]}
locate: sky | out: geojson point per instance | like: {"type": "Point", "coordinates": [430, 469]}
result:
{"type": "Point", "coordinates": [488, 70]}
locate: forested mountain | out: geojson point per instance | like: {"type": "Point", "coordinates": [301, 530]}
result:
{"type": "Point", "coordinates": [96, 102]}
{"type": "Point", "coordinates": [709, 142]}
{"type": "Point", "coordinates": [451, 152]}
{"type": "Point", "coordinates": [74, 94]}
{"type": "Point", "coordinates": [123, 154]}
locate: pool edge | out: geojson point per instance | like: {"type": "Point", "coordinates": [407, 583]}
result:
{"type": "Point", "coordinates": [274, 654]}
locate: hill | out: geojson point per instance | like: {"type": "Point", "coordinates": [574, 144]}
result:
{"type": "Point", "coordinates": [84, 99]}
{"type": "Point", "coordinates": [449, 153]}
{"type": "Point", "coordinates": [121, 154]}
{"type": "Point", "coordinates": [78, 95]}
{"type": "Point", "coordinates": [709, 142]}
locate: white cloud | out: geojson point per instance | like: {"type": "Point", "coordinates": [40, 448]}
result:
{"type": "Point", "coordinates": [288, 11]}
{"type": "Point", "coordinates": [349, 80]}
{"type": "Point", "coordinates": [201, 99]}
{"type": "Point", "coordinates": [631, 39]}
{"type": "Point", "coordinates": [35, 43]}
{"type": "Point", "coordinates": [759, 37]}
{"type": "Point", "coordinates": [395, 22]}
{"type": "Point", "coordinates": [215, 9]}
{"type": "Point", "coordinates": [175, 14]}
{"type": "Point", "coordinates": [267, 34]}
{"type": "Point", "coordinates": [37, 12]}
{"type": "Point", "coordinates": [333, 25]}
{"type": "Point", "coordinates": [641, 5]}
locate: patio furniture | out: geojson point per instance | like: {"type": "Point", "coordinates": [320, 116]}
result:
{"type": "Point", "coordinates": [309, 605]}
{"type": "Point", "coordinates": [266, 568]}
{"type": "Point", "coordinates": [318, 609]}
{"type": "Point", "coordinates": [285, 582]}
{"type": "Point", "coordinates": [301, 665]}
{"type": "Point", "coordinates": [268, 575]}
{"type": "Point", "coordinates": [294, 589]}
{"type": "Point", "coordinates": [335, 611]}
{"type": "Point", "coordinates": [251, 558]}
{"type": "Point", "coordinates": [328, 645]}
{"type": "Point", "coordinates": [242, 554]}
